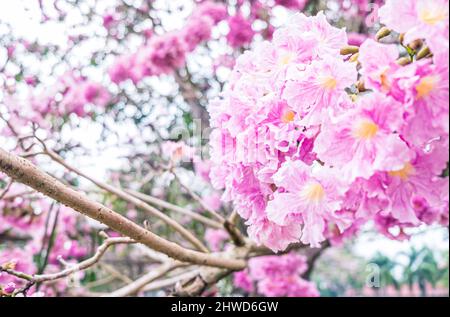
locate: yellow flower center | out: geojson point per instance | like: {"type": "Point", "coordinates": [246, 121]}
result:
{"type": "Point", "coordinates": [328, 82]}
{"type": "Point", "coordinates": [288, 116]}
{"type": "Point", "coordinates": [404, 172]}
{"type": "Point", "coordinates": [426, 86]}
{"type": "Point", "coordinates": [432, 16]}
{"type": "Point", "coordinates": [314, 192]}
{"type": "Point", "coordinates": [384, 80]}
{"type": "Point", "coordinates": [286, 58]}
{"type": "Point", "coordinates": [365, 129]}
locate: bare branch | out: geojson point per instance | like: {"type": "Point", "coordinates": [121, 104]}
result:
{"type": "Point", "coordinates": [25, 172]}
{"type": "Point", "coordinates": [198, 198]}
{"type": "Point", "coordinates": [170, 280]}
{"type": "Point", "coordinates": [132, 200]}
{"type": "Point", "coordinates": [163, 204]}
{"type": "Point", "coordinates": [33, 279]}
{"type": "Point", "coordinates": [136, 286]}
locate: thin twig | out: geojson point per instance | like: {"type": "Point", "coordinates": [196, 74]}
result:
{"type": "Point", "coordinates": [41, 278]}
{"type": "Point", "coordinates": [197, 198]}
{"type": "Point", "coordinates": [131, 199]}
{"type": "Point", "coordinates": [164, 204]}
{"type": "Point", "coordinates": [25, 172]}
{"type": "Point", "coordinates": [137, 285]}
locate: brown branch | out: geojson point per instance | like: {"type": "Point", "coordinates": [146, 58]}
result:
{"type": "Point", "coordinates": [197, 198]}
{"type": "Point", "coordinates": [170, 280]}
{"type": "Point", "coordinates": [25, 172]}
{"type": "Point", "coordinates": [312, 256]}
{"type": "Point", "coordinates": [234, 233]}
{"type": "Point", "coordinates": [71, 269]}
{"type": "Point", "coordinates": [164, 204]}
{"type": "Point", "coordinates": [188, 91]}
{"type": "Point", "coordinates": [197, 284]}
{"type": "Point", "coordinates": [137, 285]}
{"type": "Point", "coordinates": [206, 277]}
{"type": "Point", "coordinates": [132, 200]}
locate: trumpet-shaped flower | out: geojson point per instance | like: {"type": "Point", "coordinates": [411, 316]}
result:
{"type": "Point", "coordinates": [318, 89]}
{"type": "Point", "coordinates": [306, 194]}
{"type": "Point", "coordinates": [419, 18]}
{"type": "Point", "coordinates": [365, 140]}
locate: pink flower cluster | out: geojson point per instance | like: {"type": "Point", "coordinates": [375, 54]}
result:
{"type": "Point", "coordinates": [421, 19]}
{"type": "Point", "coordinates": [163, 54]}
{"type": "Point", "coordinates": [305, 157]}
{"type": "Point", "coordinates": [241, 32]}
{"type": "Point", "coordinates": [216, 238]}
{"type": "Point", "coordinates": [71, 94]}
{"type": "Point", "coordinates": [26, 220]}
{"type": "Point", "coordinates": [292, 4]}
{"type": "Point", "coordinates": [276, 276]}
{"type": "Point", "coordinates": [19, 259]}
{"type": "Point", "coordinates": [79, 92]}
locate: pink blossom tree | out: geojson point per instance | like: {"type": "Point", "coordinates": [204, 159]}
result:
{"type": "Point", "coordinates": [166, 145]}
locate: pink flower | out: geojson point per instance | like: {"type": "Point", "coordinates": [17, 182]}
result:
{"type": "Point", "coordinates": [19, 259]}
{"type": "Point", "coordinates": [292, 102]}
{"type": "Point", "coordinates": [216, 11]}
{"type": "Point", "coordinates": [318, 89]}
{"type": "Point", "coordinates": [177, 151]}
{"type": "Point", "coordinates": [364, 141]}
{"type": "Point", "coordinates": [31, 80]}
{"type": "Point", "coordinates": [213, 201]}
{"type": "Point", "coordinates": [197, 31]}
{"type": "Point", "coordinates": [167, 53]}
{"type": "Point", "coordinates": [274, 236]}
{"type": "Point", "coordinates": [306, 194]}
{"type": "Point", "coordinates": [109, 20]}
{"type": "Point", "coordinates": [10, 49]}
{"type": "Point", "coordinates": [277, 276]}
{"type": "Point", "coordinates": [378, 63]}
{"type": "Point", "coordinates": [292, 48]}
{"type": "Point", "coordinates": [419, 18]}
{"type": "Point", "coordinates": [202, 169]}
{"type": "Point", "coordinates": [416, 186]}
{"type": "Point", "coordinates": [9, 288]}
{"type": "Point", "coordinates": [241, 32]}
{"type": "Point", "coordinates": [430, 90]}
{"type": "Point", "coordinates": [120, 70]}
{"type": "Point", "coordinates": [356, 38]}
{"type": "Point", "coordinates": [244, 281]}
{"type": "Point", "coordinates": [216, 238]}
{"type": "Point", "coordinates": [96, 94]}
{"type": "Point", "coordinates": [161, 55]}
{"type": "Point", "coordinates": [292, 4]}
{"type": "Point", "coordinates": [391, 227]}
{"type": "Point", "coordinates": [330, 39]}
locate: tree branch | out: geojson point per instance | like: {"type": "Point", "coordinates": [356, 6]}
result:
{"type": "Point", "coordinates": [25, 172]}
{"type": "Point", "coordinates": [163, 204]}
{"type": "Point", "coordinates": [39, 278]}
{"type": "Point", "coordinates": [131, 199]}
{"type": "Point", "coordinates": [138, 284]}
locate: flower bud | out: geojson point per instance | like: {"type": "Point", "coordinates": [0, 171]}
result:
{"type": "Point", "coordinates": [9, 288]}
{"type": "Point", "coordinates": [415, 45]}
{"type": "Point", "coordinates": [402, 61]}
{"type": "Point", "coordinates": [383, 32]}
{"type": "Point", "coordinates": [11, 265]}
{"type": "Point", "coordinates": [424, 52]}
{"type": "Point", "coordinates": [349, 49]}
{"type": "Point", "coordinates": [354, 58]}
{"type": "Point", "coordinates": [360, 86]}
